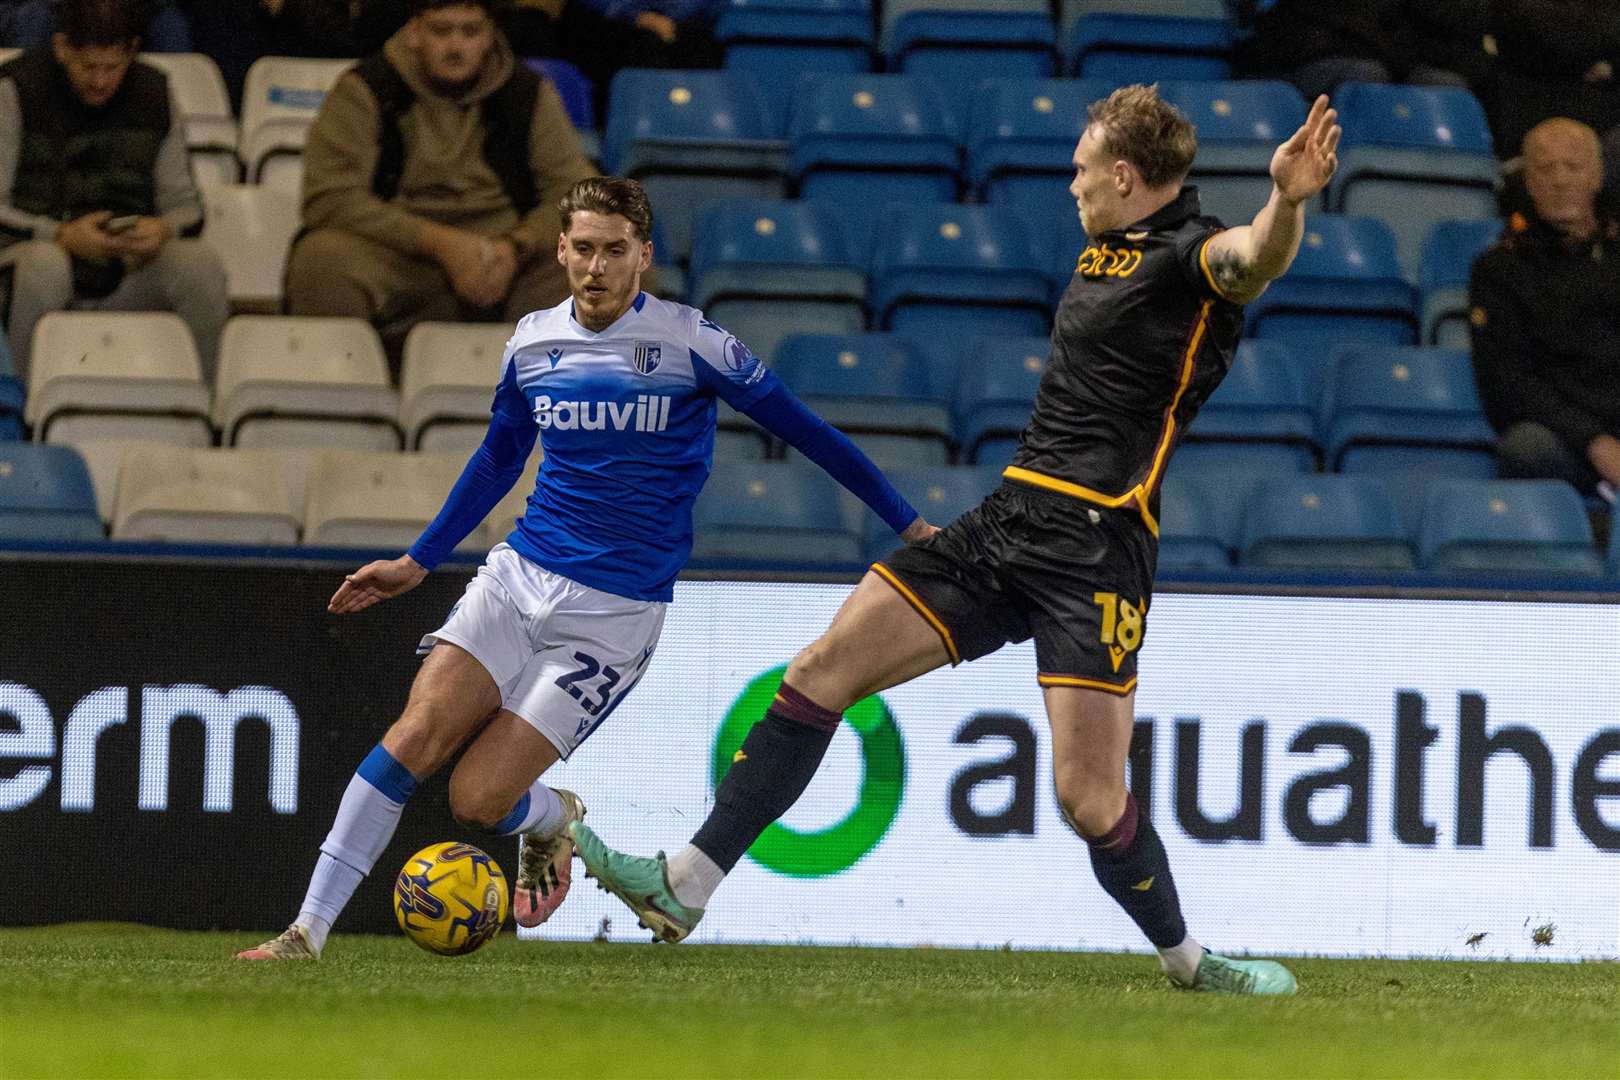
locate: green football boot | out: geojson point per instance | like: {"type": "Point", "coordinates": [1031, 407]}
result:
{"type": "Point", "coordinates": [642, 883]}
{"type": "Point", "coordinates": [1223, 975]}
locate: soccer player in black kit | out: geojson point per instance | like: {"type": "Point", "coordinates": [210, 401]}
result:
{"type": "Point", "coordinates": [1065, 550]}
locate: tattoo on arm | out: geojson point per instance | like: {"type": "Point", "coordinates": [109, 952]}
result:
{"type": "Point", "coordinates": [1231, 274]}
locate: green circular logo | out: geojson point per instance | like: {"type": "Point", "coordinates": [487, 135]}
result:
{"type": "Point", "coordinates": [883, 781]}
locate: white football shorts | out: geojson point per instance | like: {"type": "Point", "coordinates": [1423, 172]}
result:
{"type": "Point", "coordinates": [563, 654]}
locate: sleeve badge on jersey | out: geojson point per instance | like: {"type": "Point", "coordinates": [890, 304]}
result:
{"type": "Point", "coordinates": [738, 356]}
{"type": "Point", "coordinates": [647, 356]}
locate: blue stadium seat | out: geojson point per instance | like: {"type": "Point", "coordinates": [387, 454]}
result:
{"type": "Point", "coordinates": [1233, 471]}
{"type": "Point", "coordinates": [864, 141]}
{"type": "Point", "coordinates": [45, 494]}
{"type": "Point", "coordinates": [1262, 400]}
{"type": "Point", "coordinates": [1239, 127]}
{"type": "Point", "coordinates": [1066, 242]}
{"type": "Point", "coordinates": [1189, 529]}
{"type": "Point", "coordinates": [875, 388]}
{"type": "Point", "coordinates": [1413, 156]}
{"type": "Point", "coordinates": [1073, 10]}
{"type": "Point", "coordinates": [691, 138]}
{"type": "Point", "coordinates": [772, 513]}
{"type": "Point", "coordinates": [578, 97]}
{"type": "Point", "coordinates": [963, 46]}
{"type": "Point", "coordinates": [1345, 287]}
{"type": "Point", "coordinates": [767, 268]}
{"type": "Point", "coordinates": [940, 494]}
{"type": "Point", "coordinates": [1407, 410]}
{"type": "Point", "coordinates": [1021, 142]}
{"type": "Point", "coordinates": [1127, 48]}
{"type": "Point", "coordinates": [1614, 544]}
{"type": "Point", "coordinates": [1324, 522]}
{"type": "Point", "coordinates": [771, 39]}
{"type": "Point", "coordinates": [11, 409]}
{"type": "Point", "coordinates": [1508, 527]}
{"type": "Point", "coordinates": [996, 382]}
{"type": "Point", "coordinates": [1448, 258]}
{"type": "Point", "coordinates": [943, 272]}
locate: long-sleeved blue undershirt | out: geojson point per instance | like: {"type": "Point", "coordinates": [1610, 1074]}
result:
{"type": "Point", "coordinates": [499, 460]}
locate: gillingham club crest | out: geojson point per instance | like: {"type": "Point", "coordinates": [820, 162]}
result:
{"type": "Point", "coordinates": [647, 357]}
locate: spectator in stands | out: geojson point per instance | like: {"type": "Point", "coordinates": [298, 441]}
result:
{"type": "Point", "coordinates": [28, 24]}
{"type": "Point", "coordinates": [1317, 46]}
{"type": "Point", "coordinates": [431, 181]}
{"type": "Point", "coordinates": [1546, 319]}
{"type": "Point", "coordinates": [96, 192]}
{"type": "Point", "coordinates": [1553, 58]}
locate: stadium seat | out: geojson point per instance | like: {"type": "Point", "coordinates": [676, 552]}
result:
{"type": "Point", "coordinates": [1128, 48]}
{"type": "Point", "coordinates": [11, 395]}
{"type": "Point", "coordinates": [1262, 401]}
{"type": "Point", "coordinates": [692, 138]}
{"type": "Point", "coordinates": [1448, 259]}
{"type": "Point", "coordinates": [381, 501]}
{"type": "Point", "coordinates": [961, 44]}
{"type": "Point", "coordinates": [876, 389]}
{"type": "Point", "coordinates": [45, 494]}
{"type": "Point", "coordinates": [203, 496]}
{"type": "Point", "coordinates": [251, 227]}
{"type": "Point", "coordinates": [941, 494]}
{"type": "Point", "coordinates": [1227, 473]}
{"type": "Point", "coordinates": [1406, 410]}
{"type": "Point", "coordinates": [943, 272]}
{"type": "Point", "coordinates": [1066, 241]}
{"type": "Point", "coordinates": [767, 268]}
{"type": "Point", "coordinates": [1344, 287]}
{"type": "Point", "coordinates": [117, 375]}
{"type": "Point", "coordinates": [1507, 527]}
{"type": "Point", "coordinates": [1413, 156]}
{"type": "Point", "coordinates": [199, 91]}
{"type": "Point", "coordinates": [446, 383]}
{"type": "Point", "coordinates": [995, 390]}
{"type": "Point", "coordinates": [772, 39]}
{"type": "Point", "coordinates": [304, 382]}
{"type": "Point", "coordinates": [578, 96]}
{"type": "Point", "coordinates": [1614, 545]}
{"type": "Point", "coordinates": [1073, 10]}
{"type": "Point", "coordinates": [1021, 142]}
{"type": "Point", "coordinates": [104, 458]}
{"type": "Point", "coordinates": [1324, 522]}
{"type": "Point", "coordinates": [1239, 127]}
{"type": "Point", "coordinates": [279, 102]}
{"type": "Point", "coordinates": [1190, 537]}
{"type": "Point", "coordinates": [773, 513]}
{"type": "Point", "coordinates": [864, 141]}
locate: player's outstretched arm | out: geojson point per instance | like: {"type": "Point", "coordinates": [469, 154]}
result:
{"type": "Point", "coordinates": [1245, 259]}
{"type": "Point", "coordinates": [380, 580]}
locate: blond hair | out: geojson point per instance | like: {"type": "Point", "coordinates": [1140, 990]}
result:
{"type": "Point", "coordinates": [1139, 126]}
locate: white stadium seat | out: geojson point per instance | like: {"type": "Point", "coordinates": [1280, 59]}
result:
{"type": "Point", "coordinates": [378, 500]}
{"type": "Point", "coordinates": [250, 227]}
{"type": "Point", "coordinates": [9, 54]}
{"type": "Point", "coordinates": [298, 381]}
{"type": "Point", "coordinates": [279, 102]}
{"type": "Point", "coordinates": [446, 383]}
{"type": "Point", "coordinates": [117, 375]}
{"type": "Point", "coordinates": [203, 496]}
{"type": "Point", "coordinates": [105, 459]}
{"type": "Point", "coordinates": [205, 109]}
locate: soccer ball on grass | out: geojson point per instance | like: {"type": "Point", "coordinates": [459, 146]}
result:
{"type": "Point", "coordinates": [450, 898]}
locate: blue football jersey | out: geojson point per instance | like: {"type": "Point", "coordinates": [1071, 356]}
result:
{"type": "Point", "coordinates": [626, 419]}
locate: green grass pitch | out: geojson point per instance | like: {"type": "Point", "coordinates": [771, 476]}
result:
{"type": "Point", "coordinates": [117, 1001]}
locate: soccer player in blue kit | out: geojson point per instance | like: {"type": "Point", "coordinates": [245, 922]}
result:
{"type": "Point", "coordinates": [562, 619]}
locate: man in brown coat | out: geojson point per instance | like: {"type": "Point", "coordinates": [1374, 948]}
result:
{"type": "Point", "coordinates": [431, 181]}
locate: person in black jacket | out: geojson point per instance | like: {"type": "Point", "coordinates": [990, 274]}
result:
{"type": "Point", "coordinates": [1545, 309]}
{"type": "Point", "coordinates": [1553, 58]}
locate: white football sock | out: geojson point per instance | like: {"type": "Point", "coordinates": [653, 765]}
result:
{"type": "Point", "coordinates": [365, 822]}
{"type": "Point", "coordinates": [693, 876]}
{"type": "Point", "coordinates": [539, 813]}
{"type": "Point", "coordinates": [1180, 962]}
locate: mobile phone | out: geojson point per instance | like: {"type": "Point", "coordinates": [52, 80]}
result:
{"type": "Point", "coordinates": [121, 224]}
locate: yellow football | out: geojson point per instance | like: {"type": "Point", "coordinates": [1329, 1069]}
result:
{"type": "Point", "coordinates": [450, 898]}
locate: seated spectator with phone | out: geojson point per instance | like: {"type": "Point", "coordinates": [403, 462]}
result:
{"type": "Point", "coordinates": [96, 193]}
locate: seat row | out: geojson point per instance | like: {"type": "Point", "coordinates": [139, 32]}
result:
{"type": "Point", "coordinates": [321, 498]}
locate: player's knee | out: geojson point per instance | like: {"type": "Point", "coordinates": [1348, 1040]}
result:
{"type": "Point", "coordinates": [419, 740]}
{"type": "Point", "coordinates": [815, 674]}
{"type": "Point", "coordinates": [1091, 806]}
{"type": "Point", "coordinates": [472, 803]}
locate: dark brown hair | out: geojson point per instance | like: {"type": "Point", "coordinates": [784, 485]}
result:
{"type": "Point", "coordinates": [1139, 126]}
{"type": "Point", "coordinates": [609, 195]}
{"type": "Point", "coordinates": [99, 24]}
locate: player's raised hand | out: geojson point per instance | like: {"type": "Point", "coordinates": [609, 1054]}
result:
{"type": "Point", "coordinates": [381, 580]}
{"type": "Point", "coordinates": [1304, 164]}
